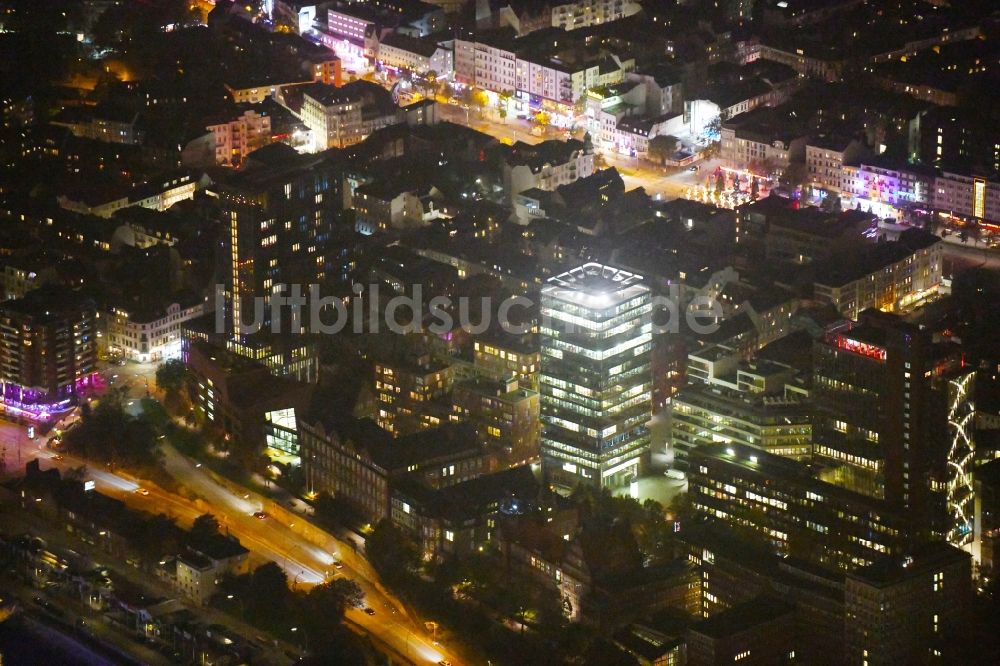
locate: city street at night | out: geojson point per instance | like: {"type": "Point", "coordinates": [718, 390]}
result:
{"type": "Point", "coordinates": [488, 333]}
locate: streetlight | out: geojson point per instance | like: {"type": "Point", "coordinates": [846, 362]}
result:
{"type": "Point", "coordinates": [305, 637]}
{"type": "Point", "coordinates": [232, 597]}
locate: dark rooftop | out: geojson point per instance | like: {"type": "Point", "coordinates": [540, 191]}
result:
{"type": "Point", "coordinates": [47, 303]}
{"type": "Point", "coordinates": [540, 154]}
{"type": "Point", "coordinates": [842, 270]}
{"type": "Point", "coordinates": [743, 617]}
{"type": "Point", "coordinates": [219, 547]}
{"type": "Point", "coordinates": [396, 455]}
{"type": "Point", "coordinates": [424, 47]}
{"type": "Point", "coordinates": [355, 91]}
{"type": "Point", "coordinates": [892, 570]}
{"type": "Point", "coordinates": [472, 499]}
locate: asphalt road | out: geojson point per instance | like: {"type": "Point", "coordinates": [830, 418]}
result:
{"type": "Point", "coordinates": [634, 172]}
{"type": "Point", "coordinates": [959, 256]}
{"type": "Point", "coordinates": [508, 130]}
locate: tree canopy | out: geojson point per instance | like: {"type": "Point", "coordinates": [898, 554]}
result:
{"type": "Point", "coordinates": [170, 376]}
{"type": "Point", "coordinates": [204, 528]}
{"type": "Point", "coordinates": [662, 147]}
{"type": "Point", "coordinates": [109, 434]}
{"type": "Point", "coordinates": [392, 554]}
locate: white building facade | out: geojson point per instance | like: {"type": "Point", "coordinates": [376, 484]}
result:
{"type": "Point", "coordinates": [338, 118]}
{"type": "Point", "coordinates": [148, 340]}
{"type": "Point", "coordinates": [587, 13]}
{"type": "Point", "coordinates": [235, 139]}
{"type": "Point", "coordinates": [968, 197]}
{"type": "Point", "coordinates": [423, 58]}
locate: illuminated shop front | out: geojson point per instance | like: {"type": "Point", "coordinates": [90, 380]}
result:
{"type": "Point", "coordinates": [37, 405]}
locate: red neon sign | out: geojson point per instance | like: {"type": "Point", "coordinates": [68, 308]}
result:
{"type": "Point", "coordinates": [858, 347]}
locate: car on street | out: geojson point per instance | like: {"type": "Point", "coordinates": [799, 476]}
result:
{"type": "Point", "coordinates": [338, 564]}
{"type": "Point", "coordinates": [369, 610]}
{"type": "Point", "coordinates": [58, 457]}
{"type": "Point", "coordinates": [694, 168]}
{"type": "Point", "coordinates": [142, 491]}
{"type": "Point", "coordinates": [259, 515]}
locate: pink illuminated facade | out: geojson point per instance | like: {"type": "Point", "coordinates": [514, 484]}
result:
{"type": "Point", "coordinates": [884, 190]}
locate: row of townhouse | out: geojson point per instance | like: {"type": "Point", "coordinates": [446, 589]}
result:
{"type": "Point", "coordinates": [420, 56]}
{"type": "Point", "coordinates": [844, 165]}
{"type": "Point", "coordinates": [354, 30]}
{"type": "Point", "coordinates": [533, 78]}
{"type": "Point", "coordinates": [156, 195]}
{"type": "Point", "coordinates": [888, 189]}
{"type": "Point", "coordinates": [527, 17]}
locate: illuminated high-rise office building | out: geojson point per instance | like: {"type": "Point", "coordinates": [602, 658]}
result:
{"type": "Point", "coordinates": [895, 419]}
{"type": "Point", "coordinates": [281, 212]}
{"type": "Point", "coordinates": [595, 380]}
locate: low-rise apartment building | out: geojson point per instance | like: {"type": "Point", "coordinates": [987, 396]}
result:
{"type": "Point", "coordinates": [502, 355]}
{"type": "Point", "coordinates": [506, 416]}
{"type": "Point", "coordinates": [235, 139]}
{"type": "Point", "coordinates": [197, 572]}
{"type": "Point", "coordinates": [411, 394]}
{"type": "Point", "coordinates": [148, 335]}
{"type": "Point", "coordinates": [968, 197]}
{"type": "Point", "coordinates": [340, 117]}
{"type": "Point", "coordinates": [359, 463]}
{"type": "Point", "coordinates": [762, 142]}
{"type": "Point", "coordinates": [891, 276]}
{"type": "Point", "coordinates": [826, 156]}
{"type": "Point", "coordinates": [546, 165]}
{"type": "Point", "coordinates": [420, 56]}
{"type": "Point", "coordinates": [157, 195]}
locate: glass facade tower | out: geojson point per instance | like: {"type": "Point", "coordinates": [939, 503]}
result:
{"type": "Point", "coordinates": [595, 381]}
